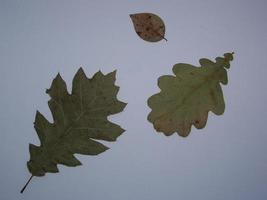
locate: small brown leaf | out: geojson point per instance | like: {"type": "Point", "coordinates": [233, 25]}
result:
{"type": "Point", "coordinates": [149, 26]}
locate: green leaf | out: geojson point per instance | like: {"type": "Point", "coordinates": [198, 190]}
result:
{"type": "Point", "coordinates": [186, 98]}
{"type": "Point", "coordinates": [80, 118]}
{"type": "Point", "coordinates": [148, 26]}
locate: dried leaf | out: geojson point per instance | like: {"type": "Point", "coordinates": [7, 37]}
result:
{"type": "Point", "coordinates": [80, 119]}
{"type": "Point", "coordinates": [149, 26]}
{"type": "Point", "coordinates": [186, 99]}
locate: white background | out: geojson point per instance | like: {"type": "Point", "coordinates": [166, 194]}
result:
{"type": "Point", "coordinates": [226, 160]}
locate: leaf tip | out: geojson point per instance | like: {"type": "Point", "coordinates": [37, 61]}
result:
{"type": "Point", "coordinates": [37, 113]}
{"type": "Point", "coordinates": [123, 105]}
{"type": "Point", "coordinates": [229, 56]}
{"type": "Point", "coordinates": [37, 116]}
{"type": "Point", "coordinates": [98, 74]}
{"type": "Point", "coordinates": [80, 70]}
{"type": "Point", "coordinates": [104, 148]}
{"type": "Point", "coordinates": [58, 76]}
{"type": "Point", "coordinates": [131, 15]}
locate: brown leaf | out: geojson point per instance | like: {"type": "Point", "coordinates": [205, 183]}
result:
{"type": "Point", "coordinates": [149, 26]}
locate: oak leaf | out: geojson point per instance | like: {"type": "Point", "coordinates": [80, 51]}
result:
{"type": "Point", "coordinates": [186, 98]}
{"type": "Point", "coordinates": [80, 119]}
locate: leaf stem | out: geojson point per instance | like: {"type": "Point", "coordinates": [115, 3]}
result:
{"type": "Point", "coordinates": [26, 184]}
{"type": "Point", "coordinates": [162, 36]}
{"type": "Point", "coordinates": [155, 31]}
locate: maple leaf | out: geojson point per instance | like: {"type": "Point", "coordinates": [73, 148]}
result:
{"type": "Point", "coordinates": [148, 26]}
{"type": "Point", "coordinates": [80, 118]}
{"type": "Point", "coordinates": [186, 99]}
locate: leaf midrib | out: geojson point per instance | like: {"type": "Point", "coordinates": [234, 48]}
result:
{"type": "Point", "coordinates": [189, 94]}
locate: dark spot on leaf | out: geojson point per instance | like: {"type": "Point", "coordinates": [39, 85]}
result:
{"type": "Point", "coordinates": [197, 122]}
